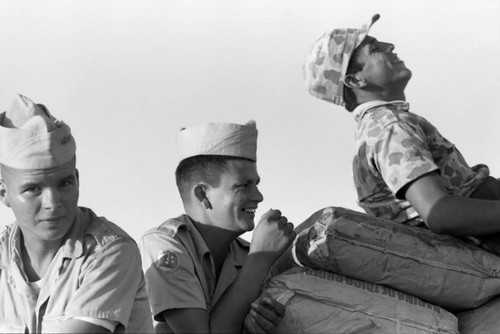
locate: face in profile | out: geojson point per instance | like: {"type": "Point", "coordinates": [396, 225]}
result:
{"type": "Point", "coordinates": [44, 201]}
{"type": "Point", "coordinates": [236, 197]}
{"type": "Point", "coordinates": [382, 68]}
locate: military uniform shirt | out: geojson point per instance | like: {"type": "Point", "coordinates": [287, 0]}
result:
{"type": "Point", "coordinates": [394, 147]}
{"type": "Point", "coordinates": [96, 273]}
{"type": "Point", "coordinates": [180, 271]}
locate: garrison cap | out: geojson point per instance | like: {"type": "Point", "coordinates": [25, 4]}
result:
{"type": "Point", "coordinates": [31, 138]}
{"type": "Point", "coordinates": [227, 139]}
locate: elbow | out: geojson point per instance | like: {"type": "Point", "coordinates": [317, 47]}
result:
{"type": "Point", "coordinates": [436, 227]}
{"type": "Point", "coordinates": [438, 222]}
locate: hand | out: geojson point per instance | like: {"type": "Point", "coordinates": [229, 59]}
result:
{"type": "Point", "coordinates": [272, 235]}
{"type": "Point", "coordinates": [264, 316]}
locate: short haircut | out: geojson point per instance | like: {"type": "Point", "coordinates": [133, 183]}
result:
{"type": "Point", "coordinates": [350, 100]}
{"type": "Point", "coordinates": [206, 168]}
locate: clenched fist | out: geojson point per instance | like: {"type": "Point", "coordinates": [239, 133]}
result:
{"type": "Point", "coordinates": [272, 235]}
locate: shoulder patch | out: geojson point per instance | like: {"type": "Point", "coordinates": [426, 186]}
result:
{"type": "Point", "coordinates": [167, 261]}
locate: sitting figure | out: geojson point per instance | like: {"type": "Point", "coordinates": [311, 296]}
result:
{"type": "Point", "coordinates": [404, 169]}
{"type": "Point", "coordinates": [200, 276]}
{"type": "Point", "coordinates": [62, 268]}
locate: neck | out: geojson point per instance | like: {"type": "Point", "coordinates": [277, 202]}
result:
{"type": "Point", "coordinates": [217, 240]}
{"type": "Point", "coordinates": [37, 256]}
{"type": "Point", "coordinates": [385, 93]}
{"type": "Point", "coordinates": [383, 96]}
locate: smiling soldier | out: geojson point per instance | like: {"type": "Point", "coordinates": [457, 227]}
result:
{"type": "Point", "coordinates": [62, 268]}
{"type": "Point", "coordinates": [201, 277]}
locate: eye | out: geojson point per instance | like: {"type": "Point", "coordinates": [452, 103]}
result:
{"type": "Point", "coordinates": [66, 183]}
{"type": "Point", "coordinates": [31, 190]}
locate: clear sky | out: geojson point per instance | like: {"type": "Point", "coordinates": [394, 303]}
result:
{"type": "Point", "coordinates": [127, 75]}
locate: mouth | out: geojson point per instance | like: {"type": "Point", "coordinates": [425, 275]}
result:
{"type": "Point", "coordinates": [50, 220]}
{"type": "Point", "coordinates": [396, 59]}
{"type": "Point", "coordinates": [249, 210]}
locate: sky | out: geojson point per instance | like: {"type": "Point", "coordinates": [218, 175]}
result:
{"type": "Point", "coordinates": [127, 75]}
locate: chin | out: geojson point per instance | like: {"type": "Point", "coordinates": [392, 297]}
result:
{"type": "Point", "coordinates": [248, 226]}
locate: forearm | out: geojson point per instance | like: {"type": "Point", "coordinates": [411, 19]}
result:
{"type": "Point", "coordinates": [79, 326]}
{"type": "Point", "coordinates": [463, 216]}
{"type": "Point", "coordinates": [231, 310]}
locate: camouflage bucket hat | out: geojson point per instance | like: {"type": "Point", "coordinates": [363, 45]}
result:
{"type": "Point", "coordinates": [327, 61]}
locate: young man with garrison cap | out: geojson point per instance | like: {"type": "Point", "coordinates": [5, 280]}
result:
{"type": "Point", "coordinates": [201, 277]}
{"type": "Point", "coordinates": [404, 169]}
{"type": "Point", "coordinates": [62, 268]}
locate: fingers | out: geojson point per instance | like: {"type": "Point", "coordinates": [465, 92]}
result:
{"type": "Point", "coordinates": [272, 214]}
{"type": "Point", "coordinates": [276, 306]}
{"type": "Point", "coordinates": [260, 323]}
{"type": "Point", "coordinates": [282, 221]}
{"type": "Point", "coordinates": [268, 309]}
{"type": "Point", "coordinates": [252, 326]}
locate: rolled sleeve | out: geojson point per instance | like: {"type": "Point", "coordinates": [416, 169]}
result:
{"type": "Point", "coordinates": [171, 277]}
{"type": "Point", "coordinates": [109, 281]}
{"type": "Point", "coordinates": [402, 156]}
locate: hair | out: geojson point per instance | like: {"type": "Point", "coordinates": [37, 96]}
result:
{"type": "Point", "coordinates": [206, 168]}
{"type": "Point", "coordinates": [354, 67]}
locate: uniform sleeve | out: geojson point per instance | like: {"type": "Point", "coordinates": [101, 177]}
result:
{"type": "Point", "coordinates": [171, 279]}
{"type": "Point", "coordinates": [109, 281]}
{"type": "Point", "coordinates": [401, 155]}
{"type": "Point", "coordinates": [108, 324]}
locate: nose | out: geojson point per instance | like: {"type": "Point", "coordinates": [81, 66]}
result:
{"type": "Point", "coordinates": [51, 199]}
{"type": "Point", "coordinates": [389, 47]}
{"type": "Point", "coordinates": [257, 195]}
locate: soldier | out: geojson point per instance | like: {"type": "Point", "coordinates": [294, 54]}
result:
{"type": "Point", "coordinates": [404, 169]}
{"type": "Point", "coordinates": [201, 277]}
{"type": "Point", "coordinates": [62, 268]}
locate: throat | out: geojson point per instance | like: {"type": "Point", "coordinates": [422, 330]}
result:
{"type": "Point", "coordinates": [36, 260]}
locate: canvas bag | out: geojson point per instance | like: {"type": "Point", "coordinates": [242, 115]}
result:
{"type": "Point", "coordinates": [317, 301]}
{"type": "Point", "coordinates": [440, 269]}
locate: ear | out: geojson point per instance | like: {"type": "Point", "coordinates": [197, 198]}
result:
{"type": "Point", "coordinates": [77, 175]}
{"type": "Point", "coordinates": [3, 194]}
{"type": "Point", "coordinates": [352, 81]}
{"type": "Point", "coordinates": [201, 196]}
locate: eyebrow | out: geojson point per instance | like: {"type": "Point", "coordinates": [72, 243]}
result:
{"type": "Point", "coordinates": [30, 183]}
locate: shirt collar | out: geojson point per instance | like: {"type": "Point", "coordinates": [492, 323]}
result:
{"type": "Point", "coordinates": [360, 111]}
{"type": "Point", "coordinates": [238, 249]}
{"type": "Point", "coordinates": [200, 245]}
{"type": "Point", "coordinates": [73, 244]}
{"type": "Point", "coordinates": [14, 242]}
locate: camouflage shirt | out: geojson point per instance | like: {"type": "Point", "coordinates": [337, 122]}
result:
{"type": "Point", "coordinates": [394, 147]}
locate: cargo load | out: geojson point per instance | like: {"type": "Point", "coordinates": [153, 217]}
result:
{"type": "Point", "coordinates": [444, 270]}
{"type": "Point", "coordinates": [317, 301]}
{"type": "Point", "coordinates": [481, 320]}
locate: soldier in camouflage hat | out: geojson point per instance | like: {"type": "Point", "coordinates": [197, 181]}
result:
{"type": "Point", "coordinates": [404, 169]}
